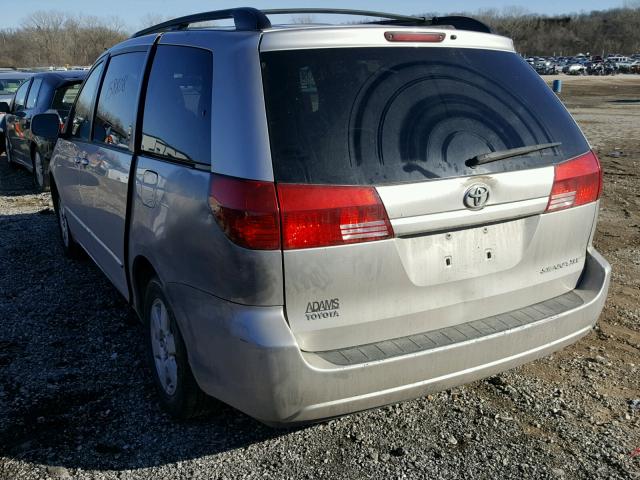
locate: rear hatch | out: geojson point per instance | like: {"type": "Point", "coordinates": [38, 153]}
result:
{"type": "Point", "coordinates": [388, 228]}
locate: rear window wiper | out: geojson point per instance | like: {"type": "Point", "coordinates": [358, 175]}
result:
{"type": "Point", "coordinates": [512, 152]}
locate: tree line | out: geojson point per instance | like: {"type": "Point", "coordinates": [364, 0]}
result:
{"type": "Point", "coordinates": [596, 32]}
{"type": "Point", "coordinates": [56, 38]}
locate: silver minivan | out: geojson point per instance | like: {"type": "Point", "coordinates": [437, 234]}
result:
{"type": "Point", "coordinates": [314, 220]}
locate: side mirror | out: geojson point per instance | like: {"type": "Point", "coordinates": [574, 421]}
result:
{"type": "Point", "coordinates": [4, 107]}
{"type": "Point", "coordinates": [46, 125]}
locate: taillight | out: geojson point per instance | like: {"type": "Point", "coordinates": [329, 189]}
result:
{"type": "Point", "coordinates": [324, 215]}
{"type": "Point", "coordinates": [414, 37]}
{"type": "Point", "coordinates": [247, 211]}
{"type": "Point", "coordinates": [576, 182]}
{"type": "Point", "coordinates": [307, 215]}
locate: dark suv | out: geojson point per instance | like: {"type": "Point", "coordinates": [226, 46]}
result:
{"type": "Point", "coordinates": [44, 92]}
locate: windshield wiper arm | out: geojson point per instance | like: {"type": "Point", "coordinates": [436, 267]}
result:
{"type": "Point", "coordinates": [512, 152]}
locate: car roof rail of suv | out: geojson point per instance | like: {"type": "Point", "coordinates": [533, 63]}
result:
{"type": "Point", "coordinates": [252, 19]}
{"type": "Point", "coordinates": [457, 22]}
{"type": "Point", "coordinates": [245, 19]}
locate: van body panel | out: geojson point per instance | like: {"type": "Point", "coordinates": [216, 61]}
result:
{"type": "Point", "coordinates": [173, 228]}
{"type": "Point", "coordinates": [262, 359]}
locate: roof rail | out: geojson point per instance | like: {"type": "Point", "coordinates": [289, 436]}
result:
{"type": "Point", "coordinates": [462, 23]}
{"type": "Point", "coordinates": [457, 22]}
{"type": "Point", "coordinates": [346, 11]}
{"type": "Point", "coordinates": [252, 19]}
{"type": "Point", "coordinates": [245, 18]}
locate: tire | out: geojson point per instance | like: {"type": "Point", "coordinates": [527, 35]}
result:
{"type": "Point", "coordinates": [39, 178]}
{"type": "Point", "coordinates": [177, 389]}
{"type": "Point", "coordinates": [70, 247]}
{"type": "Point", "coordinates": [7, 151]}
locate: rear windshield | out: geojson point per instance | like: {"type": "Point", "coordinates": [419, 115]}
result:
{"type": "Point", "coordinates": [8, 86]}
{"type": "Point", "coordinates": [391, 115]}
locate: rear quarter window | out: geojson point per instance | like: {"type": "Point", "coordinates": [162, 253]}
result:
{"type": "Point", "coordinates": [177, 109]}
{"type": "Point", "coordinates": [32, 99]}
{"type": "Point", "coordinates": [392, 115]}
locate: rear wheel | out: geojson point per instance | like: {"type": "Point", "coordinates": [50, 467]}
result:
{"type": "Point", "coordinates": [70, 247]}
{"type": "Point", "coordinates": [7, 150]}
{"type": "Point", "coordinates": [179, 393]}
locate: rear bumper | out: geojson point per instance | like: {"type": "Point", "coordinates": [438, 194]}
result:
{"type": "Point", "coordinates": [248, 357]}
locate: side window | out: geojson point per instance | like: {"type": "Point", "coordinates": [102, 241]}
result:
{"type": "Point", "coordinates": [177, 109]}
{"type": "Point", "coordinates": [32, 99]}
{"type": "Point", "coordinates": [117, 103]}
{"type": "Point", "coordinates": [21, 96]}
{"type": "Point", "coordinates": [63, 99]}
{"type": "Point", "coordinates": [81, 124]}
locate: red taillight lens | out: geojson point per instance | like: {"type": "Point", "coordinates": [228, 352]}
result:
{"type": "Point", "coordinates": [323, 215]}
{"type": "Point", "coordinates": [414, 37]}
{"type": "Point", "coordinates": [576, 182]}
{"type": "Point", "coordinates": [310, 215]}
{"type": "Point", "coordinates": [247, 211]}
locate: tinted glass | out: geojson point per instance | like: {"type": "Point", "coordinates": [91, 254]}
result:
{"type": "Point", "coordinates": [391, 115]}
{"type": "Point", "coordinates": [21, 96]}
{"type": "Point", "coordinates": [81, 125]}
{"type": "Point", "coordinates": [32, 99]}
{"type": "Point", "coordinates": [177, 111]}
{"type": "Point", "coordinates": [117, 104]}
{"type": "Point", "coordinates": [63, 99]}
{"type": "Point", "coordinates": [8, 86]}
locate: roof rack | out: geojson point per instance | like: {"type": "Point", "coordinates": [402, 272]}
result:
{"type": "Point", "coordinates": [252, 19]}
{"type": "Point", "coordinates": [346, 11]}
{"type": "Point", "coordinates": [462, 23]}
{"type": "Point", "coordinates": [245, 19]}
{"type": "Point", "coordinates": [455, 21]}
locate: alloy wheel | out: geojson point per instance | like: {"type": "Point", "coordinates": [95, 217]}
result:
{"type": "Point", "coordinates": [164, 346]}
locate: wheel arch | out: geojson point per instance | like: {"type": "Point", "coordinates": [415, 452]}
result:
{"type": "Point", "coordinates": [142, 271]}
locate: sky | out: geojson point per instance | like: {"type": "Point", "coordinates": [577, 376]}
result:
{"type": "Point", "coordinates": [131, 12]}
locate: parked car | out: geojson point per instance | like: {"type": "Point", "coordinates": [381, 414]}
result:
{"type": "Point", "coordinates": [10, 80]}
{"type": "Point", "coordinates": [576, 68]}
{"type": "Point", "coordinates": [622, 64]}
{"type": "Point", "coordinates": [316, 220]}
{"type": "Point", "coordinates": [43, 92]}
{"type": "Point", "coordinates": [545, 66]}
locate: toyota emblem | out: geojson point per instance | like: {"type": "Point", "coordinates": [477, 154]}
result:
{"type": "Point", "coordinates": [476, 196]}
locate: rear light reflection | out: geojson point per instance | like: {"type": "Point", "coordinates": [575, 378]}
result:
{"type": "Point", "coordinates": [576, 182]}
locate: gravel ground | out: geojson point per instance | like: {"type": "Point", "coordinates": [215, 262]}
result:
{"type": "Point", "coordinates": [76, 400]}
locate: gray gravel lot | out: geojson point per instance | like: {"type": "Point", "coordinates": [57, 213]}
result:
{"type": "Point", "coordinates": [76, 398]}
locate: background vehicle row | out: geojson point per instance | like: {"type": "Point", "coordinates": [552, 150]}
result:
{"type": "Point", "coordinates": [43, 92]}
